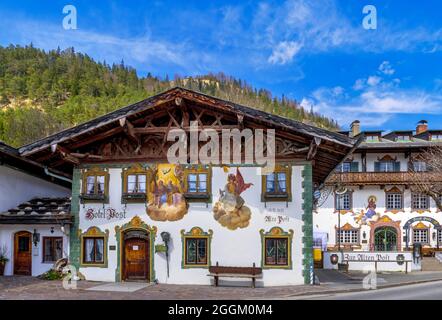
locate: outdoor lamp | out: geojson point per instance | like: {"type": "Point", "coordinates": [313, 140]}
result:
{"type": "Point", "coordinates": [364, 235]}
{"type": "Point", "coordinates": [166, 238]}
{"type": "Point", "coordinates": [434, 235]}
{"type": "Point", "coordinates": [35, 237]}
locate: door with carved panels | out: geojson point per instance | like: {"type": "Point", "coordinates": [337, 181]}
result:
{"type": "Point", "coordinates": [23, 253]}
{"type": "Point", "coordinates": [136, 259]}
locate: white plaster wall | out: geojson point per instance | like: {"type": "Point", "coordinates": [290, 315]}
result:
{"type": "Point", "coordinates": [17, 187]}
{"type": "Point", "coordinates": [7, 233]}
{"type": "Point", "coordinates": [241, 247]}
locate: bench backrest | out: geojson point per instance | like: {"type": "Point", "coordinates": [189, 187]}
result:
{"type": "Point", "coordinates": [235, 270]}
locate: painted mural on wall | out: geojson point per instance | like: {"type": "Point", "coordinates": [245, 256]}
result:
{"type": "Point", "coordinates": [230, 210]}
{"type": "Point", "coordinates": [365, 216]}
{"type": "Point", "coordinates": [166, 199]}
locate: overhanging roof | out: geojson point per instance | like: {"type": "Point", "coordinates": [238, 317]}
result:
{"type": "Point", "coordinates": [154, 101]}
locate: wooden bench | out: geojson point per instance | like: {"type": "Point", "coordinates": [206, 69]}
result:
{"type": "Point", "coordinates": [235, 272]}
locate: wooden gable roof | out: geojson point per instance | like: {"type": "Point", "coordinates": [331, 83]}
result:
{"type": "Point", "coordinates": [136, 133]}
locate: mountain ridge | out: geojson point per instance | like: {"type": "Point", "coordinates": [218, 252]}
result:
{"type": "Point", "coordinates": [43, 92]}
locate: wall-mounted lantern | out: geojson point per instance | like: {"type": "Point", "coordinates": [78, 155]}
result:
{"type": "Point", "coordinates": [166, 238]}
{"type": "Point", "coordinates": [35, 237]}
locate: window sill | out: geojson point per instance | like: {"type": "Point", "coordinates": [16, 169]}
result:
{"type": "Point", "coordinates": [134, 197]}
{"type": "Point", "coordinates": [195, 266]}
{"type": "Point", "coordinates": [394, 211]}
{"type": "Point", "coordinates": [93, 265]}
{"type": "Point", "coordinates": [197, 197]}
{"type": "Point", "coordinates": [421, 211]}
{"type": "Point", "coordinates": [92, 198]}
{"type": "Point", "coordinates": [274, 197]}
{"type": "Point", "coordinates": [343, 211]}
{"type": "Point", "coordinates": [271, 266]}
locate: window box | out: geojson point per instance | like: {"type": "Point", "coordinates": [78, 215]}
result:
{"type": "Point", "coordinates": [93, 198]}
{"type": "Point", "coordinates": [134, 197]}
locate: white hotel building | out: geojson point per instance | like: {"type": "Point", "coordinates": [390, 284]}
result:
{"type": "Point", "coordinates": [378, 212]}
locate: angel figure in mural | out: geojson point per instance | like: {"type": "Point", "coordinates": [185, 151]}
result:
{"type": "Point", "coordinates": [230, 210]}
{"type": "Point", "coordinates": [167, 202]}
{"type": "Point", "coordinates": [363, 217]}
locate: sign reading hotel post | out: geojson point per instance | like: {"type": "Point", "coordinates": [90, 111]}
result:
{"type": "Point", "coordinates": [107, 214]}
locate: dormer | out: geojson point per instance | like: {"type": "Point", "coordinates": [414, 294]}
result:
{"type": "Point", "coordinates": [430, 135]}
{"type": "Point", "coordinates": [373, 136]}
{"type": "Point", "coordinates": [400, 136]}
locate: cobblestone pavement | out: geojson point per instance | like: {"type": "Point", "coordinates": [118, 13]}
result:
{"type": "Point", "coordinates": [28, 288]}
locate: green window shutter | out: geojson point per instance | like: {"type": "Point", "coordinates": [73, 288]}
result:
{"type": "Point", "coordinates": [354, 166]}
{"type": "Point", "coordinates": [377, 166]}
{"type": "Point", "coordinates": [397, 166]}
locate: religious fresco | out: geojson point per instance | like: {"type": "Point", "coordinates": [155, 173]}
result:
{"type": "Point", "coordinates": [230, 210]}
{"type": "Point", "coordinates": [363, 217]}
{"type": "Point", "coordinates": [166, 199]}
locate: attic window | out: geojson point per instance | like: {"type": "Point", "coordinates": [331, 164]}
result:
{"type": "Point", "coordinates": [402, 137]}
{"type": "Point", "coordinates": [372, 138]}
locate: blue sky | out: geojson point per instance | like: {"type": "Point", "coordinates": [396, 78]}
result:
{"type": "Point", "coordinates": [316, 52]}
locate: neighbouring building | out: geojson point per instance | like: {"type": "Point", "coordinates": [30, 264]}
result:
{"type": "Point", "coordinates": [34, 206]}
{"type": "Point", "coordinates": [138, 217]}
{"type": "Point", "coordinates": [375, 208]}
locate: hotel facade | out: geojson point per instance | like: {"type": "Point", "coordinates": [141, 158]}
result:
{"type": "Point", "coordinates": [136, 216]}
{"type": "Point", "coordinates": [376, 208]}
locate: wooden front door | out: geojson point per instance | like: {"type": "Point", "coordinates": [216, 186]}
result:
{"type": "Point", "coordinates": [23, 253]}
{"type": "Point", "coordinates": [136, 259]}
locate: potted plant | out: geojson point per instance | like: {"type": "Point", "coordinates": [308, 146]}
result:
{"type": "Point", "coordinates": [3, 259]}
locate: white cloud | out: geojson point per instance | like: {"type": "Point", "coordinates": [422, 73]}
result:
{"type": "Point", "coordinates": [386, 68]}
{"type": "Point", "coordinates": [374, 100]}
{"type": "Point", "coordinates": [284, 52]}
{"type": "Point", "coordinates": [373, 81]}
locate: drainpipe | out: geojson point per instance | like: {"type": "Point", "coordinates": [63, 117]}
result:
{"type": "Point", "coordinates": [47, 172]}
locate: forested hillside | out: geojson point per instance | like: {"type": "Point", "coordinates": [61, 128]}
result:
{"type": "Point", "coordinates": [44, 92]}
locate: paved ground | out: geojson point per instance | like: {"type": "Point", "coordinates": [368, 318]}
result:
{"type": "Point", "coordinates": [332, 282]}
{"type": "Point", "coordinates": [24, 288]}
{"type": "Point", "coordinates": [422, 291]}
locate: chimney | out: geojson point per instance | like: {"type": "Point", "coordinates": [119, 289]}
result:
{"type": "Point", "coordinates": [422, 126]}
{"type": "Point", "coordinates": [355, 128]}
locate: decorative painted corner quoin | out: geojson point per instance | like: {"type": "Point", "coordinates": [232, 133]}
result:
{"type": "Point", "coordinates": [196, 233]}
{"type": "Point", "coordinates": [276, 233]}
{"type": "Point", "coordinates": [307, 218]}
{"type": "Point", "coordinates": [135, 224]}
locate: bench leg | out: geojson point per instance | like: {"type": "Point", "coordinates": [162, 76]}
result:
{"type": "Point", "coordinates": [253, 282]}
